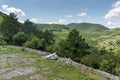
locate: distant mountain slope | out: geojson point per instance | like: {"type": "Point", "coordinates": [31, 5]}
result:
{"type": "Point", "coordinates": [54, 27]}
{"type": "Point", "coordinates": [87, 27]}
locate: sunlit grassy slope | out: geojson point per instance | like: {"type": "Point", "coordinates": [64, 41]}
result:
{"type": "Point", "coordinates": [48, 69]}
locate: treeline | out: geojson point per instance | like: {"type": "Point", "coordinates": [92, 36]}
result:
{"type": "Point", "coordinates": [73, 46]}
{"type": "Point", "coordinates": [26, 34]}
{"type": "Point", "coordinates": [53, 27]}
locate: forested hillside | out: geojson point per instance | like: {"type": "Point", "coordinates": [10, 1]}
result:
{"type": "Point", "coordinates": [91, 44]}
{"type": "Point", "coordinates": [53, 27]}
{"type": "Point", "coordinates": [84, 27]}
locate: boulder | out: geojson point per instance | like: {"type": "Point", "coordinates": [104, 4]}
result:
{"type": "Point", "coordinates": [52, 56]}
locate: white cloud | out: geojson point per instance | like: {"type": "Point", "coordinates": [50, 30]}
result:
{"type": "Point", "coordinates": [109, 23]}
{"type": "Point", "coordinates": [114, 12]}
{"type": "Point", "coordinates": [62, 21]}
{"type": "Point", "coordinates": [82, 14]}
{"type": "Point", "coordinates": [116, 4]}
{"type": "Point", "coordinates": [8, 10]}
{"type": "Point", "coordinates": [52, 22]}
{"type": "Point", "coordinates": [72, 21]}
{"type": "Point", "coordinates": [21, 21]}
{"type": "Point", "coordinates": [79, 21]}
{"type": "Point", "coordinates": [113, 24]}
{"type": "Point", "coordinates": [69, 16]}
{"type": "Point", "coordinates": [34, 20]}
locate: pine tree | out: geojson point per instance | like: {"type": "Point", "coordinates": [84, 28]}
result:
{"type": "Point", "coordinates": [9, 26]}
{"type": "Point", "coordinates": [74, 46]}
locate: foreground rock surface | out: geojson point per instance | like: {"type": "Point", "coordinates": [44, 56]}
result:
{"type": "Point", "coordinates": [10, 65]}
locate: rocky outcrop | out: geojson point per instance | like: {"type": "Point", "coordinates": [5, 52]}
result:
{"type": "Point", "coordinates": [82, 67]}
{"type": "Point", "coordinates": [52, 56]}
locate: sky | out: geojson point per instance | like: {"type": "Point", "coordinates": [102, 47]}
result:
{"type": "Point", "coordinates": [105, 12]}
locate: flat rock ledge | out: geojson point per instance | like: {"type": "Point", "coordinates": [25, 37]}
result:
{"type": "Point", "coordinates": [10, 72]}
{"type": "Point", "coordinates": [10, 65]}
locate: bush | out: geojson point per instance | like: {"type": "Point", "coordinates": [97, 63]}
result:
{"type": "Point", "coordinates": [35, 43]}
{"type": "Point", "coordinates": [2, 40]}
{"type": "Point", "coordinates": [92, 60]}
{"type": "Point", "coordinates": [20, 38]}
{"type": "Point", "coordinates": [52, 48]}
{"type": "Point", "coordinates": [111, 64]}
{"type": "Point", "coordinates": [23, 49]}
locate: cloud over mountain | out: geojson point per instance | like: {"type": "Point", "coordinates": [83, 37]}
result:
{"type": "Point", "coordinates": [35, 20]}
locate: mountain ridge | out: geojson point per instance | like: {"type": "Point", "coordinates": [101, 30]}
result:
{"type": "Point", "coordinates": [87, 26]}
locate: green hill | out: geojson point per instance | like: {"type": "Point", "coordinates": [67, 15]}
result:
{"type": "Point", "coordinates": [90, 31]}
{"type": "Point", "coordinates": [83, 27]}
{"type": "Point", "coordinates": [54, 27]}
{"type": "Point", "coordinates": [87, 27]}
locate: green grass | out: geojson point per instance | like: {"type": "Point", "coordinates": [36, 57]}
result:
{"type": "Point", "coordinates": [10, 50]}
{"type": "Point", "coordinates": [49, 69]}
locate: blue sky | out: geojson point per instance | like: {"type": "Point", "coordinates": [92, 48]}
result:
{"type": "Point", "coordinates": [105, 12]}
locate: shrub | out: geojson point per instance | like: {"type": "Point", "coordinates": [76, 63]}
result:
{"type": "Point", "coordinates": [92, 60]}
{"type": "Point", "coordinates": [23, 49]}
{"type": "Point", "coordinates": [35, 43]}
{"type": "Point", "coordinates": [110, 64]}
{"type": "Point", "coordinates": [20, 38]}
{"type": "Point", "coordinates": [52, 48]}
{"type": "Point", "coordinates": [2, 40]}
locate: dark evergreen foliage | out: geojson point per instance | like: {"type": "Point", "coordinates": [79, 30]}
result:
{"type": "Point", "coordinates": [20, 38]}
{"type": "Point", "coordinates": [9, 26]}
{"type": "Point", "coordinates": [74, 46]}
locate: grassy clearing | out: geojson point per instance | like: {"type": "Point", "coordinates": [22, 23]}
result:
{"type": "Point", "coordinates": [9, 50]}
{"type": "Point", "coordinates": [48, 69]}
